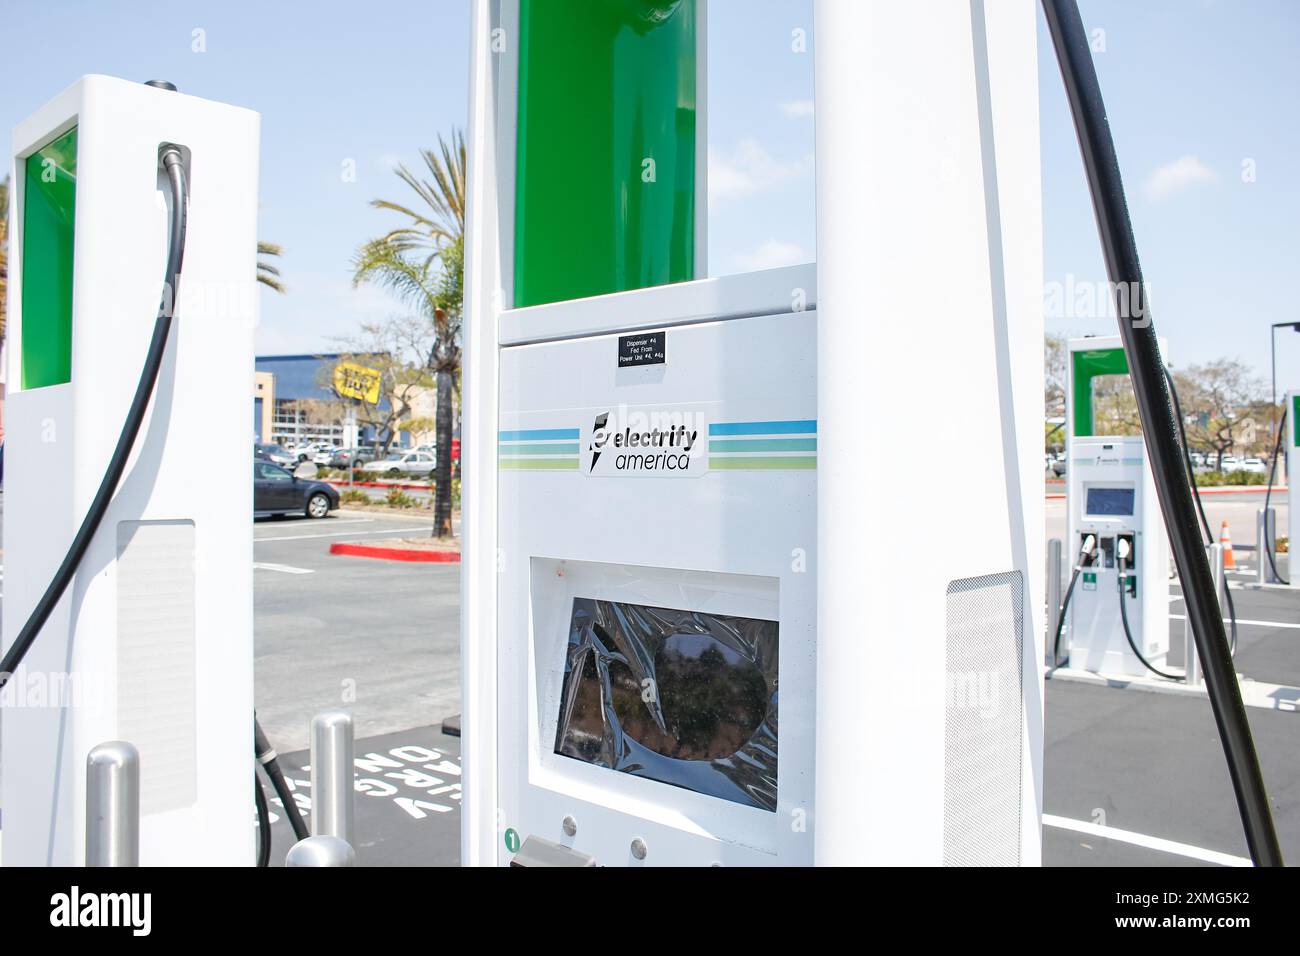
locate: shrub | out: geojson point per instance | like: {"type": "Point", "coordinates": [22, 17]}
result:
{"type": "Point", "coordinates": [1211, 479]}
{"type": "Point", "coordinates": [397, 498]}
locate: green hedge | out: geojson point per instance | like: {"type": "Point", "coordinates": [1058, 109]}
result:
{"type": "Point", "coordinates": [1211, 479]}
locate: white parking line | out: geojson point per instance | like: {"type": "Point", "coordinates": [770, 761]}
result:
{"type": "Point", "coordinates": [1142, 840]}
{"type": "Point", "coordinates": [335, 522]}
{"type": "Point", "coordinates": [282, 568]}
{"type": "Point", "coordinates": [1285, 624]}
{"type": "Point", "coordinates": [343, 534]}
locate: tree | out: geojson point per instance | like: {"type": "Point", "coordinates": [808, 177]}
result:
{"type": "Point", "coordinates": [1222, 402]}
{"type": "Point", "coordinates": [389, 348]}
{"type": "Point", "coordinates": [267, 274]}
{"type": "Point", "coordinates": [1114, 406]}
{"type": "Point", "coordinates": [422, 264]}
{"type": "Point", "coordinates": [1054, 378]}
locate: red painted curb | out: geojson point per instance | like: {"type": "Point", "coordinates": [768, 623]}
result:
{"type": "Point", "coordinates": [1238, 490]}
{"type": "Point", "coordinates": [394, 554]}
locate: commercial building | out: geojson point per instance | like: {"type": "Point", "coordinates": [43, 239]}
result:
{"type": "Point", "coordinates": [294, 402]}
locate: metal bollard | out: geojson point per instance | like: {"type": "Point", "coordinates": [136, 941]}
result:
{"type": "Point", "coordinates": [332, 774]}
{"type": "Point", "coordinates": [1053, 594]}
{"type": "Point", "coordinates": [321, 851]}
{"type": "Point", "coordinates": [1265, 541]}
{"type": "Point", "coordinates": [113, 805]}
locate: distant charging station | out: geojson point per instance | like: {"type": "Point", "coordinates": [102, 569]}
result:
{"type": "Point", "coordinates": [700, 625]}
{"type": "Point", "coordinates": [1292, 445]}
{"type": "Point", "coordinates": [1114, 527]}
{"type": "Point", "coordinates": [152, 641]}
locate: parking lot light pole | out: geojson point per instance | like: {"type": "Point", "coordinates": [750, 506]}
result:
{"type": "Point", "coordinates": [1272, 353]}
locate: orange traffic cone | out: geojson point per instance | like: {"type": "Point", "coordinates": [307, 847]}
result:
{"type": "Point", "coordinates": [1225, 539]}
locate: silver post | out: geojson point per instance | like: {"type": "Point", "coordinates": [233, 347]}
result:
{"type": "Point", "coordinates": [113, 805]}
{"type": "Point", "coordinates": [1265, 540]}
{"type": "Point", "coordinates": [1192, 662]}
{"type": "Point", "coordinates": [1053, 593]}
{"type": "Point", "coordinates": [332, 774]}
{"type": "Point", "coordinates": [321, 851]}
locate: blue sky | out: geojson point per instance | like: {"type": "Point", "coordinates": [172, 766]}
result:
{"type": "Point", "coordinates": [1195, 89]}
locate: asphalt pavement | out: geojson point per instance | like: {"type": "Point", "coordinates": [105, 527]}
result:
{"type": "Point", "coordinates": [380, 638]}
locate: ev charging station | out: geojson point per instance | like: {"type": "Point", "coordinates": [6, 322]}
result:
{"type": "Point", "coordinates": [674, 516]}
{"type": "Point", "coordinates": [152, 641]}
{"type": "Point", "coordinates": [1114, 527]}
{"type": "Point", "coordinates": [1292, 440]}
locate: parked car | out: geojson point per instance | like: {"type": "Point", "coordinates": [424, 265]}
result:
{"type": "Point", "coordinates": [1255, 466]}
{"type": "Point", "coordinates": [278, 491]}
{"type": "Point", "coordinates": [403, 463]}
{"type": "Point", "coordinates": [324, 455]}
{"type": "Point", "coordinates": [274, 453]}
{"type": "Point", "coordinates": [352, 457]}
{"type": "Point", "coordinates": [308, 451]}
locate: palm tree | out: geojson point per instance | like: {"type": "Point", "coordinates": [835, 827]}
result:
{"type": "Point", "coordinates": [268, 274]}
{"type": "Point", "coordinates": [422, 264]}
{"type": "Point", "coordinates": [443, 192]}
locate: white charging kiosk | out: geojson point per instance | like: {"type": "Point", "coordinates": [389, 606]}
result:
{"type": "Point", "coordinates": [152, 643]}
{"type": "Point", "coordinates": [1291, 442]}
{"type": "Point", "coordinates": [1111, 496]}
{"type": "Point", "coordinates": [700, 624]}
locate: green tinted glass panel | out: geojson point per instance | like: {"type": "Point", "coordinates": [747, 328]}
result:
{"type": "Point", "coordinates": [1088, 364]}
{"type": "Point", "coordinates": [604, 87]}
{"type": "Point", "coordinates": [49, 218]}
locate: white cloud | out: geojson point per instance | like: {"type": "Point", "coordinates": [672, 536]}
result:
{"type": "Point", "coordinates": [797, 107]}
{"type": "Point", "coordinates": [1178, 176]}
{"type": "Point", "coordinates": [771, 254]}
{"type": "Point", "coordinates": [748, 169]}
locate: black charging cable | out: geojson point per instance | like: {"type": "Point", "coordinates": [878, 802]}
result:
{"type": "Point", "coordinates": [263, 823]}
{"type": "Point", "coordinates": [1160, 426]}
{"type": "Point", "coordinates": [1200, 507]}
{"type": "Point", "coordinates": [269, 759]}
{"type": "Point", "coordinates": [1268, 494]}
{"type": "Point", "coordinates": [174, 167]}
{"type": "Point", "coordinates": [1123, 576]}
{"type": "Point", "coordinates": [1086, 557]}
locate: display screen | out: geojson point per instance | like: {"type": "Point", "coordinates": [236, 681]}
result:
{"type": "Point", "coordinates": [682, 697]}
{"type": "Point", "coordinates": [1110, 501]}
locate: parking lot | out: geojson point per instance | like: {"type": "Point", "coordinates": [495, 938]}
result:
{"type": "Point", "coordinates": [1131, 778]}
{"type": "Point", "coordinates": [1125, 771]}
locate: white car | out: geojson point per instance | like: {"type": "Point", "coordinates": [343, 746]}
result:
{"type": "Point", "coordinates": [324, 455]}
{"type": "Point", "coordinates": [403, 463]}
{"type": "Point", "coordinates": [1255, 466]}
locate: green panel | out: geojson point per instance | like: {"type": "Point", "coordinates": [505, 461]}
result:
{"type": "Point", "coordinates": [603, 86]}
{"type": "Point", "coordinates": [1295, 419]}
{"type": "Point", "coordinates": [763, 444]}
{"type": "Point", "coordinates": [1088, 364]}
{"type": "Point", "coordinates": [759, 463]}
{"type": "Point", "coordinates": [49, 220]}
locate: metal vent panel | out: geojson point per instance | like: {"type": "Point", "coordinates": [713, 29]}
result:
{"type": "Point", "coordinates": [983, 721]}
{"type": "Point", "coordinates": [156, 658]}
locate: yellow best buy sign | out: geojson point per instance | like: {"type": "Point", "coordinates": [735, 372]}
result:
{"type": "Point", "coordinates": [357, 381]}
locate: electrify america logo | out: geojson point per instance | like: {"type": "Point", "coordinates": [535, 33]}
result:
{"type": "Point", "coordinates": [656, 443]}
